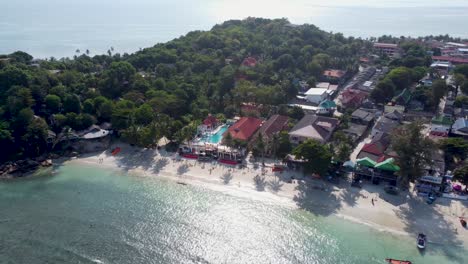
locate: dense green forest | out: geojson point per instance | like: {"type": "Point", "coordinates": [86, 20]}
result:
{"type": "Point", "coordinates": [164, 90]}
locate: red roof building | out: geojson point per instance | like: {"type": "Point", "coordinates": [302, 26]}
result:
{"type": "Point", "coordinates": [249, 62]}
{"type": "Point", "coordinates": [334, 73]}
{"type": "Point", "coordinates": [376, 148]}
{"type": "Point", "coordinates": [274, 125]}
{"type": "Point", "coordinates": [353, 98]}
{"type": "Point", "coordinates": [244, 128]}
{"type": "Point", "coordinates": [454, 60]}
{"type": "Point", "coordinates": [210, 121]}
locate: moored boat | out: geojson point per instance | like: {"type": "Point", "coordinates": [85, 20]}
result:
{"type": "Point", "coordinates": [396, 261]}
{"type": "Point", "coordinates": [421, 241]}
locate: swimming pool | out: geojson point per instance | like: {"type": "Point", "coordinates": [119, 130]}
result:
{"type": "Point", "coordinates": [216, 137]}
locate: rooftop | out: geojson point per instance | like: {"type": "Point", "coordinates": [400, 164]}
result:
{"type": "Point", "coordinates": [450, 59]}
{"type": "Point", "coordinates": [316, 127]}
{"type": "Point", "coordinates": [385, 45]}
{"type": "Point", "coordinates": [245, 128]}
{"type": "Point", "coordinates": [334, 73]}
{"type": "Point", "coordinates": [442, 120]}
{"type": "Point", "coordinates": [273, 125]}
{"type": "Point", "coordinates": [316, 91]}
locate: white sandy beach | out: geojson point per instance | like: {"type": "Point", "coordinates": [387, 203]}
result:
{"type": "Point", "coordinates": [404, 214]}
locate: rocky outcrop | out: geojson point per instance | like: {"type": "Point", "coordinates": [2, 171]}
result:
{"type": "Point", "coordinates": [22, 168]}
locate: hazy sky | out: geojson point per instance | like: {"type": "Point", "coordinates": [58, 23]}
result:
{"type": "Point", "coordinates": [58, 27]}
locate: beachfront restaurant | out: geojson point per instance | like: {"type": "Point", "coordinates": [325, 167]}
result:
{"type": "Point", "coordinates": [375, 172]}
{"type": "Point", "coordinates": [429, 184]}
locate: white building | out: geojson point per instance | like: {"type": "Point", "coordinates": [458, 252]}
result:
{"type": "Point", "coordinates": [316, 95]}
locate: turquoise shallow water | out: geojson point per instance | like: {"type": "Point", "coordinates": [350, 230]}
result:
{"type": "Point", "coordinates": [93, 215]}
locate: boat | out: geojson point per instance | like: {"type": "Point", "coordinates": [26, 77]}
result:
{"type": "Point", "coordinates": [463, 222]}
{"type": "Point", "coordinates": [421, 241]}
{"type": "Point", "coordinates": [116, 151]}
{"type": "Point", "coordinates": [396, 261]}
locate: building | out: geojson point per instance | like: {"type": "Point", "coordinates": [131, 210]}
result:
{"type": "Point", "coordinates": [452, 60]}
{"type": "Point", "coordinates": [442, 67]}
{"type": "Point", "coordinates": [375, 150]}
{"type": "Point", "coordinates": [274, 125]}
{"type": "Point", "coordinates": [316, 95]}
{"type": "Point", "coordinates": [244, 128]}
{"type": "Point", "coordinates": [355, 131]}
{"type": "Point", "coordinates": [334, 76]}
{"type": "Point", "coordinates": [440, 126]}
{"type": "Point", "coordinates": [209, 124]}
{"type": "Point", "coordinates": [384, 125]}
{"type": "Point", "coordinates": [249, 62]}
{"type": "Point", "coordinates": [362, 116]}
{"type": "Point", "coordinates": [460, 127]}
{"type": "Point", "coordinates": [351, 98]}
{"type": "Point", "coordinates": [315, 127]}
{"type": "Point", "coordinates": [388, 49]}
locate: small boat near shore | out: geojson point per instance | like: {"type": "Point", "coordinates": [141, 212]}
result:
{"type": "Point", "coordinates": [421, 241]}
{"type": "Point", "coordinates": [463, 222]}
{"type": "Point", "coordinates": [396, 261]}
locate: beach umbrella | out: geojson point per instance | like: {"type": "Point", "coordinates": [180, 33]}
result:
{"type": "Point", "coordinates": [349, 164]}
{"type": "Point", "coordinates": [388, 165]}
{"type": "Point", "coordinates": [457, 187]}
{"type": "Point", "coordinates": [367, 162]}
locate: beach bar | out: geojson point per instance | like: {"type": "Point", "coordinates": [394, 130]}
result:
{"type": "Point", "coordinates": [375, 172]}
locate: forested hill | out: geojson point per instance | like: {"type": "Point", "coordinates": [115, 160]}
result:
{"type": "Point", "coordinates": [164, 90]}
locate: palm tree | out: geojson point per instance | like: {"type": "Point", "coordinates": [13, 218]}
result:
{"type": "Point", "coordinates": [274, 145]}
{"type": "Point", "coordinates": [260, 146]}
{"type": "Point", "coordinates": [228, 140]}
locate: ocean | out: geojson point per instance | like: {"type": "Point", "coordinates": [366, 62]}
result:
{"type": "Point", "coordinates": [46, 28]}
{"type": "Point", "coordinates": [88, 214]}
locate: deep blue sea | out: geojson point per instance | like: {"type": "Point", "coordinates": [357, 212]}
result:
{"type": "Point", "coordinates": [88, 214]}
{"type": "Point", "coordinates": [58, 28]}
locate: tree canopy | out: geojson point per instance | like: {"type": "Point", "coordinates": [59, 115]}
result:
{"type": "Point", "coordinates": [414, 152]}
{"type": "Point", "coordinates": [317, 156]}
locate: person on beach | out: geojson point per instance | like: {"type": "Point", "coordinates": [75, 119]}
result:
{"type": "Point", "coordinates": [372, 201]}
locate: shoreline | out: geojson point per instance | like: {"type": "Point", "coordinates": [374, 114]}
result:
{"type": "Point", "coordinates": [402, 215]}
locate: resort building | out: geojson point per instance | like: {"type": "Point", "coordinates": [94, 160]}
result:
{"type": "Point", "coordinates": [245, 128]}
{"type": "Point", "coordinates": [273, 125]}
{"type": "Point", "coordinates": [209, 124]}
{"type": "Point", "coordinates": [388, 49]}
{"type": "Point", "coordinates": [315, 127]}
